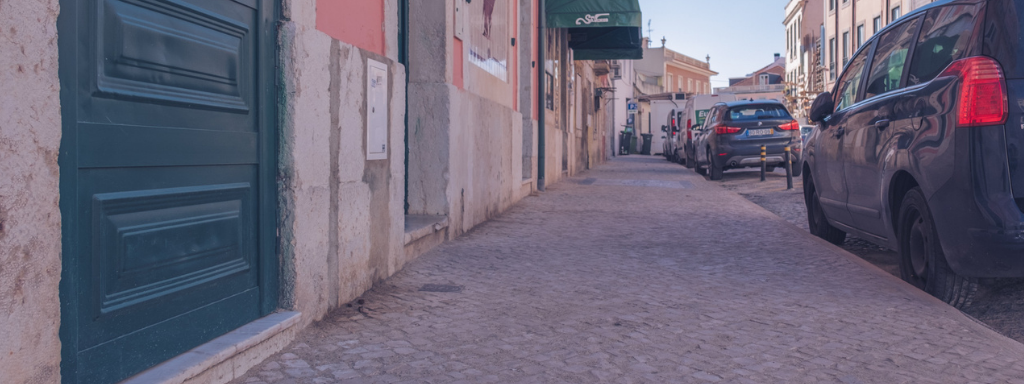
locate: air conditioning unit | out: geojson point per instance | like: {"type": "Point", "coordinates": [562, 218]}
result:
{"type": "Point", "coordinates": [616, 69]}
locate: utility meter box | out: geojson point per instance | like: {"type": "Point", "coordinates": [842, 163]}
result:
{"type": "Point", "coordinates": [376, 110]}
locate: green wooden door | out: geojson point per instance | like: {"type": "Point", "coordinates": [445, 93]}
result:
{"type": "Point", "coordinates": [167, 178]}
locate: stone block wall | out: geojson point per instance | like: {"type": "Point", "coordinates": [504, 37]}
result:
{"type": "Point", "coordinates": [30, 220]}
{"type": "Point", "coordinates": [342, 216]}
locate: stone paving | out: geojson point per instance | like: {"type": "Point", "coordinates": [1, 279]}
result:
{"type": "Point", "coordinates": [641, 272]}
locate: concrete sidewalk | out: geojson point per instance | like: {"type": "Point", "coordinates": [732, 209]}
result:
{"type": "Point", "coordinates": [640, 271]}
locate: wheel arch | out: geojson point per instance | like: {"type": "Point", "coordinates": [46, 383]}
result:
{"type": "Point", "coordinates": [901, 183]}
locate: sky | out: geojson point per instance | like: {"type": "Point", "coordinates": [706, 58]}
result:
{"type": "Point", "coordinates": [741, 36]}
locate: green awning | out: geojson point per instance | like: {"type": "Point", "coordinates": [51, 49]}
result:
{"type": "Point", "coordinates": [599, 29]}
{"type": "Point", "coordinates": [593, 13]}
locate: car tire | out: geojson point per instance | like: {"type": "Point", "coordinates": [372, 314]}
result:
{"type": "Point", "coordinates": [770, 169]}
{"type": "Point", "coordinates": [691, 161]}
{"type": "Point", "coordinates": [797, 170]}
{"type": "Point", "coordinates": [714, 172]}
{"type": "Point", "coordinates": [700, 170]}
{"type": "Point", "coordinates": [816, 220]}
{"type": "Point", "coordinates": [922, 262]}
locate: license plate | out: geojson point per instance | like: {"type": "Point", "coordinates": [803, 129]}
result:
{"type": "Point", "coordinates": [760, 132]}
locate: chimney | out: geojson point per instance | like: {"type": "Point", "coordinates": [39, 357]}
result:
{"type": "Point", "coordinates": [777, 56]}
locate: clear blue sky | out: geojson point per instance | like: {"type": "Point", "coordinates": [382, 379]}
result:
{"type": "Point", "coordinates": [740, 35]}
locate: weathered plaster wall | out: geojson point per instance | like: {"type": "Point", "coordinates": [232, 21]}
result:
{"type": "Point", "coordinates": [465, 146]}
{"type": "Point", "coordinates": [528, 84]}
{"type": "Point", "coordinates": [30, 131]}
{"type": "Point", "coordinates": [485, 164]}
{"type": "Point", "coordinates": [342, 219]}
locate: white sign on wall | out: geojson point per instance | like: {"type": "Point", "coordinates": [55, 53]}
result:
{"type": "Point", "coordinates": [376, 110]}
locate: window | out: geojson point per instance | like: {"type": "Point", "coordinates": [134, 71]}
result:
{"type": "Point", "coordinates": [896, 13]}
{"type": "Point", "coordinates": [679, 85]}
{"type": "Point", "coordinates": [860, 35]}
{"type": "Point", "coordinates": [758, 112]}
{"type": "Point", "coordinates": [877, 25]}
{"type": "Point", "coordinates": [831, 5]}
{"type": "Point", "coordinates": [945, 37]}
{"type": "Point", "coordinates": [846, 48]}
{"type": "Point", "coordinates": [789, 39]}
{"type": "Point", "coordinates": [668, 83]}
{"type": "Point", "coordinates": [832, 58]}
{"type": "Point", "coordinates": [763, 79]}
{"type": "Point", "coordinates": [549, 93]}
{"type": "Point", "coordinates": [890, 57]}
{"type": "Point", "coordinates": [848, 87]}
{"type": "Point", "coordinates": [689, 85]}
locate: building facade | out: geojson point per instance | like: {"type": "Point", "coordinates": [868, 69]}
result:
{"type": "Point", "coordinates": [677, 72]}
{"type": "Point", "coordinates": [850, 23]}
{"type": "Point", "coordinates": [767, 82]}
{"type": "Point", "coordinates": [804, 23]}
{"type": "Point", "coordinates": [199, 180]}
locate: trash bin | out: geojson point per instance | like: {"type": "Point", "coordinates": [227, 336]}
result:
{"type": "Point", "coordinates": [624, 139]}
{"type": "Point", "coordinates": [632, 144]}
{"type": "Point", "coordinates": [646, 150]}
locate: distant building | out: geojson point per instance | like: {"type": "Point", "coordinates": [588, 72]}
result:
{"type": "Point", "coordinates": [764, 83]}
{"type": "Point", "coordinates": [677, 72]}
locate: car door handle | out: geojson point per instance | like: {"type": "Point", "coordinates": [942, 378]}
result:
{"type": "Point", "coordinates": [882, 124]}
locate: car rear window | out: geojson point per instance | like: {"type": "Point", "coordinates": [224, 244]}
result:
{"type": "Point", "coordinates": [946, 36]}
{"type": "Point", "coordinates": [757, 112]}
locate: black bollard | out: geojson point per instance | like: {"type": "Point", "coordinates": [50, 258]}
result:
{"type": "Point", "coordinates": [789, 169]}
{"type": "Point", "coordinates": [764, 163]}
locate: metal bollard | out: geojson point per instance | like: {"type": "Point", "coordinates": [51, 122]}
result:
{"type": "Point", "coordinates": [789, 169]}
{"type": "Point", "coordinates": [764, 163]}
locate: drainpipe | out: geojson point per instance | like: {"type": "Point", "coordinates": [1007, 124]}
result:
{"type": "Point", "coordinates": [541, 75]}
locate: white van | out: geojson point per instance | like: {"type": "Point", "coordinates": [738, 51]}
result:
{"type": "Point", "coordinates": [694, 113]}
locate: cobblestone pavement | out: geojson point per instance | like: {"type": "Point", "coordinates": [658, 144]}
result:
{"type": "Point", "coordinates": [999, 302]}
{"type": "Point", "coordinates": [637, 272]}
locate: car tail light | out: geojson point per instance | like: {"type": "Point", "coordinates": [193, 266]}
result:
{"type": "Point", "coordinates": [689, 134]}
{"type": "Point", "coordinates": [722, 129]}
{"type": "Point", "coordinates": [790, 126]}
{"type": "Point", "coordinates": [674, 123]}
{"type": "Point", "coordinates": [689, 123]}
{"type": "Point", "coordinates": [982, 99]}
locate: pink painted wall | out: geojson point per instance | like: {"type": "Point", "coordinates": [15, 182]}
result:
{"type": "Point", "coordinates": [459, 58]}
{"type": "Point", "coordinates": [356, 22]}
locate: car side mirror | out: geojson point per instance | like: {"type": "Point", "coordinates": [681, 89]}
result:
{"type": "Point", "coordinates": [822, 107]}
{"type": "Point", "coordinates": [664, 128]}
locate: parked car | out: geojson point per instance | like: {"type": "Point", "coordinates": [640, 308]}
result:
{"type": "Point", "coordinates": [671, 129]}
{"type": "Point", "coordinates": [805, 131]}
{"type": "Point", "coordinates": [734, 132]}
{"type": "Point", "coordinates": [694, 113]}
{"type": "Point", "coordinates": [915, 150]}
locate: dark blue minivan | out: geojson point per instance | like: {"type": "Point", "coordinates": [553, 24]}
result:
{"type": "Point", "coordinates": [918, 146]}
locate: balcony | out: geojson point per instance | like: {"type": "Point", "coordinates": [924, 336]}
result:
{"type": "Point", "coordinates": [675, 56]}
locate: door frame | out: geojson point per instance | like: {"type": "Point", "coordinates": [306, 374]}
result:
{"type": "Point", "coordinates": [268, 218]}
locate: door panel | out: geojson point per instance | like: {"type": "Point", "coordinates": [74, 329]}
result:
{"type": "Point", "coordinates": [872, 129]}
{"type": "Point", "coordinates": [862, 146]}
{"type": "Point", "coordinates": [164, 178]}
{"type": "Point", "coordinates": [828, 178]}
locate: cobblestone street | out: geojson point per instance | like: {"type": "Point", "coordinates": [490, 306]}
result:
{"type": "Point", "coordinates": [641, 271]}
{"type": "Point", "coordinates": [999, 303]}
